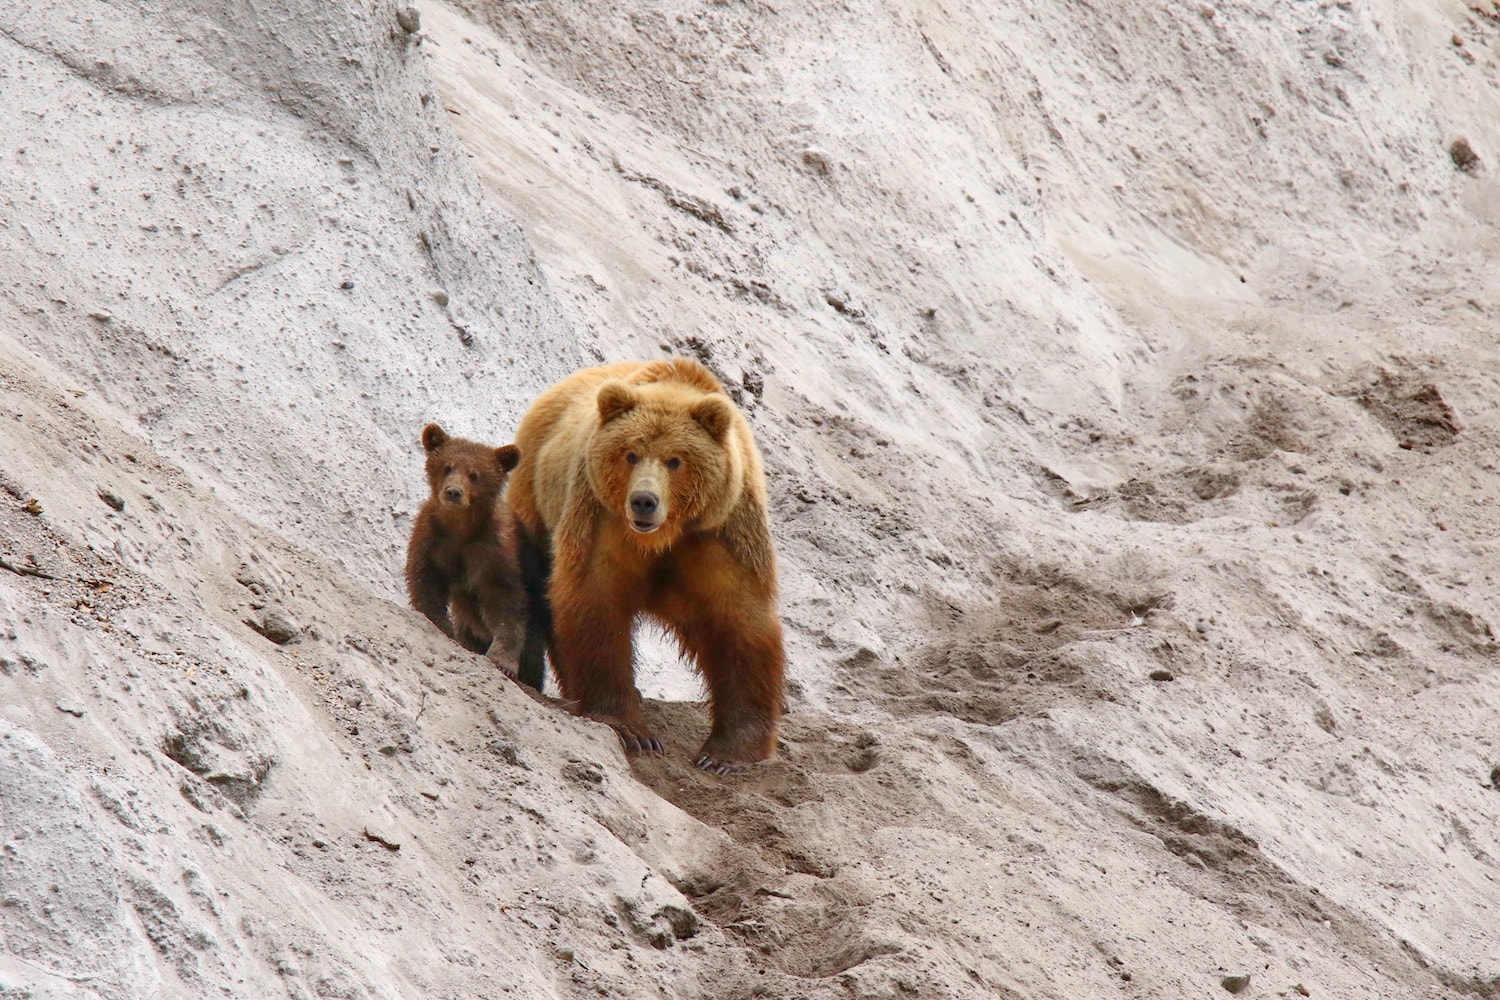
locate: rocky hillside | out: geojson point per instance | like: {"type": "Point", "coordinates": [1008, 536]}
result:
{"type": "Point", "coordinates": [1128, 380]}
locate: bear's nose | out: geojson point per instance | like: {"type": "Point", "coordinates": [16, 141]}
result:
{"type": "Point", "coordinates": [643, 504]}
{"type": "Point", "coordinates": [453, 494]}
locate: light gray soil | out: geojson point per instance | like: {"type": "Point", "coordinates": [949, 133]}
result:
{"type": "Point", "coordinates": [1128, 378]}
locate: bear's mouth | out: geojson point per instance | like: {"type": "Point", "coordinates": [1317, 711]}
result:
{"type": "Point", "coordinates": [645, 527]}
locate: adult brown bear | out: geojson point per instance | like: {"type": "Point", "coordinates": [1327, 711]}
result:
{"type": "Point", "coordinates": [641, 489]}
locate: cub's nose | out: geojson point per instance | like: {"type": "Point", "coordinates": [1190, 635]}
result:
{"type": "Point", "coordinates": [643, 504]}
{"type": "Point", "coordinates": [453, 494]}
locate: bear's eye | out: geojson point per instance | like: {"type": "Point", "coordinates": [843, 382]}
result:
{"type": "Point", "coordinates": [632, 458]}
{"type": "Point", "coordinates": [673, 463]}
{"type": "Point", "coordinates": [473, 477]}
{"type": "Point", "coordinates": [448, 470]}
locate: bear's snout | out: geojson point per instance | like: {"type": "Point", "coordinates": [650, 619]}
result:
{"type": "Point", "coordinates": [453, 494]}
{"type": "Point", "coordinates": [644, 509]}
{"type": "Point", "coordinates": [648, 496]}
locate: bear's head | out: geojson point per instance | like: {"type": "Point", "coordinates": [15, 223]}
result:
{"type": "Point", "coordinates": [466, 475]}
{"type": "Point", "coordinates": [665, 458]}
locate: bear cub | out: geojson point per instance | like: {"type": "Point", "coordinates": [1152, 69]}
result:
{"type": "Point", "coordinates": [461, 563]}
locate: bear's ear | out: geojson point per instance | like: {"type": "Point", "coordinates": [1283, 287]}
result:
{"type": "Point", "coordinates": [615, 398]}
{"type": "Point", "coordinates": [715, 415]}
{"type": "Point", "coordinates": [508, 456]}
{"type": "Point", "coordinates": [433, 437]}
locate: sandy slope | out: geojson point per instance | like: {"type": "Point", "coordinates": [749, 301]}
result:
{"type": "Point", "coordinates": [1127, 381]}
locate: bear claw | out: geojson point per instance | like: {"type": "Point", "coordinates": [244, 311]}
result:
{"type": "Point", "coordinates": [720, 767]}
{"type": "Point", "coordinates": [640, 744]}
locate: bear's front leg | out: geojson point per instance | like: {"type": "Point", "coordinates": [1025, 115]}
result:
{"type": "Point", "coordinates": [593, 656]}
{"type": "Point", "coordinates": [725, 617]}
{"type": "Point", "coordinates": [428, 585]}
{"type": "Point", "coordinates": [743, 666]}
{"type": "Point", "coordinates": [468, 628]}
{"type": "Point", "coordinates": [505, 648]}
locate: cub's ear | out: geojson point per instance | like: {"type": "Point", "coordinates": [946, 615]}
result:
{"type": "Point", "coordinates": [715, 413]}
{"type": "Point", "coordinates": [507, 455]}
{"type": "Point", "coordinates": [433, 437]}
{"type": "Point", "coordinates": [615, 398]}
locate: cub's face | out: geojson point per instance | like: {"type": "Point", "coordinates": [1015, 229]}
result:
{"type": "Point", "coordinates": [464, 473]}
{"type": "Point", "coordinates": [656, 463]}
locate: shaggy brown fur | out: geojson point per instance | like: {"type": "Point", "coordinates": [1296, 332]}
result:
{"type": "Point", "coordinates": [641, 484]}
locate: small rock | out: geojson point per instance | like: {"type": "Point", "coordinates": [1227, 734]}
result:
{"type": "Point", "coordinates": [101, 315]}
{"type": "Point", "coordinates": [584, 773]}
{"type": "Point", "coordinates": [818, 160]}
{"type": "Point", "coordinates": [440, 296]}
{"type": "Point", "coordinates": [382, 838]}
{"type": "Point", "coordinates": [1235, 984]}
{"type": "Point", "coordinates": [111, 499]}
{"type": "Point", "coordinates": [1464, 157]}
{"type": "Point", "coordinates": [683, 923]}
{"type": "Point", "coordinates": [410, 20]}
{"type": "Point", "coordinates": [275, 625]}
{"type": "Point", "coordinates": [71, 708]}
{"type": "Point", "coordinates": [346, 285]}
{"type": "Point", "coordinates": [1161, 675]}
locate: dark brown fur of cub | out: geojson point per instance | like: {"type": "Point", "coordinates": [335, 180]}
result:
{"type": "Point", "coordinates": [461, 563]}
